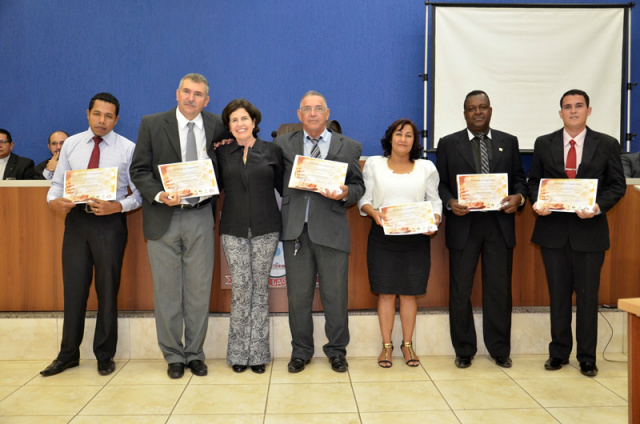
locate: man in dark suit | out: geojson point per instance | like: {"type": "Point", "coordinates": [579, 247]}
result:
{"type": "Point", "coordinates": [179, 231]}
{"type": "Point", "coordinates": [315, 233]}
{"type": "Point", "coordinates": [12, 166]}
{"type": "Point", "coordinates": [573, 244]}
{"type": "Point", "coordinates": [631, 165]}
{"type": "Point", "coordinates": [490, 234]}
{"type": "Point", "coordinates": [45, 169]}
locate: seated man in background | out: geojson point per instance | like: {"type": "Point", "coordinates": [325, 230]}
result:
{"type": "Point", "coordinates": [45, 169]}
{"type": "Point", "coordinates": [631, 165]}
{"type": "Point", "coordinates": [12, 166]}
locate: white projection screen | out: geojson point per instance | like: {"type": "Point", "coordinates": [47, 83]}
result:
{"type": "Point", "coordinates": [525, 59]}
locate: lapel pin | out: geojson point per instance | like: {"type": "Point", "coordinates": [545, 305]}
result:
{"type": "Point", "coordinates": [500, 149]}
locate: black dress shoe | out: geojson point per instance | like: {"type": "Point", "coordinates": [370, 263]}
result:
{"type": "Point", "coordinates": [339, 363]}
{"type": "Point", "coordinates": [554, 364]}
{"type": "Point", "coordinates": [57, 367]}
{"type": "Point", "coordinates": [503, 361]}
{"type": "Point", "coordinates": [239, 368]}
{"type": "Point", "coordinates": [176, 370]}
{"type": "Point", "coordinates": [198, 367]}
{"type": "Point", "coordinates": [589, 369]}
{"type": "Point", "coordinates": [258, 369]}
{"type": "Point", "coordinates": [106, 366]}
{"type": "Point", "coordinates": [297, 364]}
{"type": "Point", "coordinates": [463, 361]}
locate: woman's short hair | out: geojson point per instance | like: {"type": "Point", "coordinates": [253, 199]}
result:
{"type": "Point", "coordinates": [416, 150]}
{"type": "Point", "coordinates": [245, 104]}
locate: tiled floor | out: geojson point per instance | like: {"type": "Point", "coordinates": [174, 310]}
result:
{"type": "Point", "coordinates": [436, 392]}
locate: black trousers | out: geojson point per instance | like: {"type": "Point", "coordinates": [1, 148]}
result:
{"type": "Point", "coordinates": [569, 271]}
{"type": "Point", "coordinates": [485, 240]}
{"type": "Point", "coordinates": [91, 242]}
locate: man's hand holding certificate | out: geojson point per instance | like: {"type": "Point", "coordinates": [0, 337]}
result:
{"type": "Point", "coordinates": [410, 218]}
{"type": "Point", "coordinates": [482, 192]}
{"type": "Point", "coordinates": [326, 177]}
{"type": "Point", "coordinates": [189, 179]}
{"type": "Point", "coordinates": [576, 195]}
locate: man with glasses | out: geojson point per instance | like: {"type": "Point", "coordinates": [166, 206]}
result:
{"type": "Point", "coordinates": [315, 233]}
{"type": "Point", "coordinates": [12, 166]}
{"type": "Point", "coordinates": [45, 169]}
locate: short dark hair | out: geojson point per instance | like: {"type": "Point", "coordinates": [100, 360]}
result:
{"type": "Point", "coordinates": [575, 92]}
{"type": "Point", "coordinates": [106, 97]}
{"type": "Point", "coordinates": [7, 133]}
{"type": "Point", "coordinates": [245, 104]}
{"type": "Point", "coordinates": [475, 93]}
{"type": "Point", "coordinates": [63, 132]}
{"type": "Point", "coordinates": [416, 150]}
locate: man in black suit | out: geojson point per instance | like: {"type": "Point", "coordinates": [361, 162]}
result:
{"type": "Point", "coordinates": [489, 234]}
{"type": "Point", "coordinates": [45, 169]}
{"type": "Point", "coordinates": [631, 165]}
{"type": "Point", "coordinates": [573, 244]}
{"type": "Point", "coordinates": [179, 231]}
{"type": "Point", "coordinates": [315, 233]}
{"type": "Point", "coordinates": [12, 166]}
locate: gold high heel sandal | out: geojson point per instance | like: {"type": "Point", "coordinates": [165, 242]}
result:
{"type": "Point", "coordinates": [386, 362]}
{"type": "Point", "coordinates": [412, 361]}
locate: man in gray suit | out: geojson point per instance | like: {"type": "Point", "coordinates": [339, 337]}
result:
{"type": "Point", "coordinates": [631, 165]}
{"type": "Point", "coordinates": [315, 233]}
{"type": "Point", "coordinates": [179, 231]}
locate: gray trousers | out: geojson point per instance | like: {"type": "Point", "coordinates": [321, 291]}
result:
{"type": "Point", "coordinates": [182, 267]}
{"type": "Point", "coordinates": [250, 262]}
{"type": "Point", "coordinates": [332, 268]}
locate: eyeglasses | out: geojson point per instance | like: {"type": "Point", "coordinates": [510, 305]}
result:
{"type": "Point", "coordinates": [307, 109]}
{"type": "Point", "coordinates": [5, 142]}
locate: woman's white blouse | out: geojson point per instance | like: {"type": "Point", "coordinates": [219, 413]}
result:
{"type": "Point", "coordinates": [383, 187]}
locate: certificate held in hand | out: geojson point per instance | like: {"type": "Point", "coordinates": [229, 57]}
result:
{"type": "Point", "coordinates": [482, 192]}
{"type": "Point", "coordinates": [317, 175]}
{"type": "Point", "coordinates": [81, 185]}
{"type": "Point", "coordinates": [195, 178]}
{"type": "Point", "coordinates": [567, 195]}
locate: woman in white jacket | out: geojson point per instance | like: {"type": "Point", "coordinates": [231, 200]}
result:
{"type": "Point", "coordinates": [398, 264]}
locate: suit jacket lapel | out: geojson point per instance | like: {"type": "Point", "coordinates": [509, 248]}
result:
{"type": "Point", "coordinates": [463, 146]}
{"type": "Point", "coordinates": [335, 146]}
{"type": "Point", "coordinates": [173, 134]}
{"type": "Point", "coordinates": [588, 150]}
{"type": "Point", "coordinates": [209, 129]}
{"type": "Point", "coordinates": [497, 150]}
{"type": "Point", "coordinates": [11, 163]}
{"type": "Point", "coordinates": [298, 143]}
{"type": "Point", "coordinates": [557, 151]}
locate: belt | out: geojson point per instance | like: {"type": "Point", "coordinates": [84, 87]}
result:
{"type": "Point", "coordinates": [84, 207]}
{"type": "Point", "coordinates": [196, 206]}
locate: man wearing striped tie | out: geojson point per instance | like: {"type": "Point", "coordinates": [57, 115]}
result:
{"type": "Point", "coordinates": [479, 149]}
{"type": "Point", "coordinates": [573, 244]}
{"type": "Point", "coordinates": [315, 233]}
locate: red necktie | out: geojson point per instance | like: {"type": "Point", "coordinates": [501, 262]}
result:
{"type": "Point", "coordinates": [570, 167]}
{"type": "Point", "coordinates": [95, 155]}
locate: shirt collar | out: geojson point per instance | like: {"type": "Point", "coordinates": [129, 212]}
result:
{"type": "Point", "coordinates": [183, 121]}
{"type": "Point", "coordinates": [323, 137]}
{"type": "Point", "coordinates": [579, 139]}
{"type": "Point", "coordinates": [472, 135]}
{"type": "Point", "coordinates": [107, 138]}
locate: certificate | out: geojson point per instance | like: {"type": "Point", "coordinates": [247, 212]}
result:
{"type": "Point", "coordinates": [81, 185]}
{"type": "Point", "coordinates": [567, 195]}
{"type": "Point", "coordinates": [317, 174]}
{"type": "Point", "coordinates": [189, 179]}
{"type": "Point", "coordinates": [482, 192]}
{"type": "Point", "coordinates": [410, 218]}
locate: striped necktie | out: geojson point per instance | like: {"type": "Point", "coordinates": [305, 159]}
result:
{"type": "Point", "coordinates": [484, 154]}
{"type": "Point", "coordinates": [315, 151]}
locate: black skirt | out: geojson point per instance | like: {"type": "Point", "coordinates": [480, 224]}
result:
{"type": "Point", "coordinates": [398, 264]}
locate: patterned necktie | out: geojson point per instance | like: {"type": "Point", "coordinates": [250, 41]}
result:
{"type": "Point", "coordinates": [94, 161]}
{"type": "Point", "coordinates": [570, 167]}
{"type": "Point", "coordinates": [192, 154]}
{"type": "Point", "coordinates": [315, 151]}
{"type": "Point", "coordinates": [484, 154]}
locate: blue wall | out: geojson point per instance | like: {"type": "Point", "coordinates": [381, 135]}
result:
{"type": "Point", "coordinates": [365, 56]}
